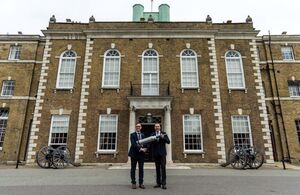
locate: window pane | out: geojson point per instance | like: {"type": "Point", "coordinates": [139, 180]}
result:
{"type": "Point", "coordinates": [8, 88]}
{"type": "Point", "coordinates": [235, 75]}
{"type": "Point", "coordinates": [111, 69]}
{"type": "Point", "coordinates": [192, 132]}
{"type": "Point", "coordinates": [287, 53]}
{"type": "Point", "coordinates": [3, 125]}
{"type": "Point", "coordinates": [150, 82]}
{"type": "Point", "coordinates": [241, 131]}
{"type": "Point", "coordinates": [67, 70]}
{"type": "Point", "coordinates": [189, 70]}
{"type": "Point", "coordinates": [298, 129]}
{"type": "Point", "coordinates": [59, 130]}
{"type": "Point", "coordinates": [15, 52]}
{"type": "Point", "coordinates": [294, 90]}
{"type": "Point", "coordinates": [107, 132]}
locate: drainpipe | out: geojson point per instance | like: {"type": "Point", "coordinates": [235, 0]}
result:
{"type": "Point", "coordinates": [273, 103]}
{"type": "Point", "coordinates": [280, 107]}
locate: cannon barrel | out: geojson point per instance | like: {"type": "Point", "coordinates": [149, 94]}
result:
{"type": "Point", "coordinates": [147, 140]}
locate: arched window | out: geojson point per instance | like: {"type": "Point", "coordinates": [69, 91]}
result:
{"type": "Point", "coordinates": [111, 69]}
{"type": "Point", "coordinates": [234, 68]}
{"type": "Point", "coordinates": [189, 69]}
{"type": "Point", "coordinates": [150, 73]}
{"type": "Point", "coordinates": [66, 70]}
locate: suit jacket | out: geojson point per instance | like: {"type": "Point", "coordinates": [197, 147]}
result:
{"type": "Point", "coordinates": [134, 150]}
{"type": "Point", "coordinates": [159, 147]}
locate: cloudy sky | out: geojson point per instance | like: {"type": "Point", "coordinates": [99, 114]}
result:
{"type": "Point", "coordinates": [30, 16]}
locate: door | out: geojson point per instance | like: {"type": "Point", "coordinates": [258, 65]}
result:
{"type": "Point", "coordinates": [148, 129]}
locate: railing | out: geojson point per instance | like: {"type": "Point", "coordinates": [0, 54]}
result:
{"type": "Point", "coordinates": [149, 89]}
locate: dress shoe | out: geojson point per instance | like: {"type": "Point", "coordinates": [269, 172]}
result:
{"type": "Point", "coordinates": [164, 187]}
{"type": "Point", "coordinates": [157, 186]}
{"type": "Point", "coordinates": [133, 186]}
{"type": "Point", "coordinates": [142, 186]}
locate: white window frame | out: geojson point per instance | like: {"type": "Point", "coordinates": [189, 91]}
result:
{"type": "Point", "coordinates": [61, 58]}
{"type": "Point", "coordinates": [99, 133]}
{"type": "Point", "coordinates": [104, 65]}
{"type": "Point", "coordinates": [181, 68]}
{"type": "Point", "coordinates": [291, 90]}
{"type": "Point", "coordinates": [14, 52]}
{"type": "Point", "coordinates": [201, 134]}
{"type": "Point", "coordinates": [242, 70]}
{"type": "Point", "coordinates": [297, 121]}
{"type": "Point", "coordinates": [4, 118]}
{"type": "Point", "coordinates": [287, 50]}
{"type": "Point", "coordinates": [250, 130]}
{"type": "Point", "coordinates": [51, 130]}
{"type": "Point", "coordinates": [12, 91]}
{"type": "Point", "coordinates": [150, 72]}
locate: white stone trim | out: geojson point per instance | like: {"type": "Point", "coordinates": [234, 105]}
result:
{"type": "Point", "coordinates": [17, 98]}
{"type": "Point", "coordinates": [83, 101]}
{"type": "Point", "coordinates": [38, 104]}
{"type": "Point", "coordinates": [262, 104]}
{"type": "Point", "coordinates": [217, 102]}
{"type": "Point", "coordinates": [283, 98]}
{"type": "Point", "coordinates": [281, 62]}
{"type": "Point", "coordinates": [21, 61]}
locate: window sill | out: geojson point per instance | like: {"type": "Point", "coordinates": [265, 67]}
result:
{"type": "Point", "coordinates": [110, 88]}
{"type": "Point", "coordinates": [186, 153]}
{"type": "Point", "coordinates": [71, 90]}
{"type": "Point", "coordinates": [193, 152]}
{"type": "Point", "coordinates": [190, 89]}
{"type": "Point", "coordinates": [99, 153]}
{"type": "Point", "coordinates": [237, 89]}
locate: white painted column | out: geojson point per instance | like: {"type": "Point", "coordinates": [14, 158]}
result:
{"type": "Point", "coordinates": [262, 103]}
{"type": "Point", "coordinates": [131, 126]}
{"type": "Point", "coordinates": [167, 129]}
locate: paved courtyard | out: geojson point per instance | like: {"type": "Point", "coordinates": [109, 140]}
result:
{"type": "Point", "coordinates": [94, 180]}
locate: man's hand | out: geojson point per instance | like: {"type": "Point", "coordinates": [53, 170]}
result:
{"type": "Point", "coordinates": [143, 149]}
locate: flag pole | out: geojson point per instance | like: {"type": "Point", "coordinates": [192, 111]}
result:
{"type": "Point", "coordinates": [151, 5]}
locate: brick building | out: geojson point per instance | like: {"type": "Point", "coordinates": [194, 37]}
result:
{"type": "Point", "coordinates": [20, 59]}
{"type": "Point", "coordinates": [93, 81]}
{"type": "Point", "coordinates": [280, 62]}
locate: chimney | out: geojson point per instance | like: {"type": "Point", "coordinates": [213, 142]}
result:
{"type": "Point", "coordinates": [284, 33]}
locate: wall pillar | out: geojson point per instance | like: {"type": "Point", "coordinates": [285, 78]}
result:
{"type": "Point", "coordinates": [131, 126]}
{"type": "Point", "coordinates": [167, 129]}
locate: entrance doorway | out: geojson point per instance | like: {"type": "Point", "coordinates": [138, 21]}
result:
{"type": "Point", "coordinates": [148, 129]}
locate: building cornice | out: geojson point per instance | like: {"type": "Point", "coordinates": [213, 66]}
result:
{"type": "Point", "coordinates": [149, 33]}
{"type": "Point", "coordinates": [21, 38]}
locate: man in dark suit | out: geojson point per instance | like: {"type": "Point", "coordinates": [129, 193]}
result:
{"type": "Point", "coordinates": [137, 155]}
{"type": "Point", "coordinates": [160, 153]}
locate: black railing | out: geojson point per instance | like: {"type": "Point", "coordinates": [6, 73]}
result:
{"type": "Point", "coordinates": [149, 89]}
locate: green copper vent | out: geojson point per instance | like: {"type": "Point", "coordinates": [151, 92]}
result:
{"type": "Point", "coordinates": [162, 16]}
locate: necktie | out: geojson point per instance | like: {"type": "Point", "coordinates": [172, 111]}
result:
{"type": "Point", "coordinates": [139, 136]}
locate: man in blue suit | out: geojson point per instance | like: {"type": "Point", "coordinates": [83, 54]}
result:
{"type": "Point", "coordinates": [137, 155]}
{"type": "Point", "coordinates": [160, 153]}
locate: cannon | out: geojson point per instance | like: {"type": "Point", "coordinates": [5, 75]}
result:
{"type": "Point", "coordinates": [148, 140]}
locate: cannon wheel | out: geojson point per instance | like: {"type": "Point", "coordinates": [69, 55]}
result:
{"type": "Point", "coordinates": [44, 157]}
{"type": "Point", "coordinates": [61, 157]}
{"type": "Point", "coordinates": [256, 159]}
{"type": "Point", "coordinates": [237, 157]}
